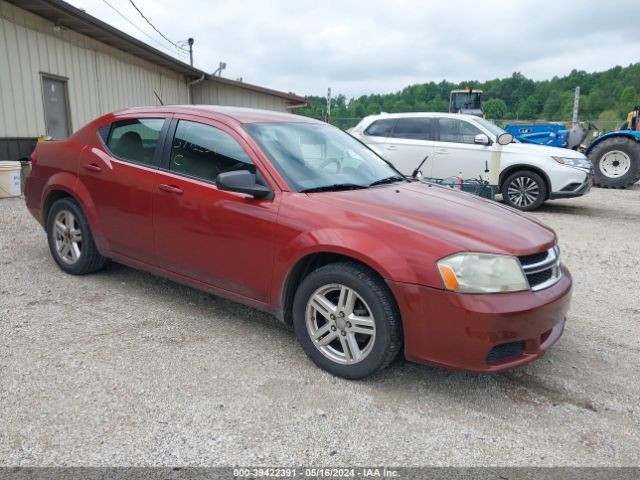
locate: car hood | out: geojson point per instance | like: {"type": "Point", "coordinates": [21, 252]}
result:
{"type": "Point", "coordinates": [533, 149]}
{"type": "Point", "coordinates": [457, 221]}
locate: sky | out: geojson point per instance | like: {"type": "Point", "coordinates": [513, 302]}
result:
{"type": "Point", "coordinates": [380, 46]}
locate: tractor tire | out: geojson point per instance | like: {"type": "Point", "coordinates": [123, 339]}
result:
{"type": "Point", "coordinates": [616, 162]}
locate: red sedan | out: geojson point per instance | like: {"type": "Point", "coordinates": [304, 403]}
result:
{"type": "Point", "coordinates": [297, 218]}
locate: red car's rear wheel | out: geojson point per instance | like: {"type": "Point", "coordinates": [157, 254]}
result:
{"type": "Point", "coordinates": [70, 239]}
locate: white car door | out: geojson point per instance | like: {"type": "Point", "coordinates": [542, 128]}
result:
{"type": "Point", "coordinates": [455, 151]}
{"type": "Point", "coordinates": [411, 140]}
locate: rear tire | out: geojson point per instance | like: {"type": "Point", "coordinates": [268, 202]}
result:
{"type": "Point", "coordinates": [524, 190]}
{"type": "Point", "coordinates": [347, 321]}
{"type": "Point", "coordinates": [70, 239]}
{"type": "Point", "coordinates": [616, 162]}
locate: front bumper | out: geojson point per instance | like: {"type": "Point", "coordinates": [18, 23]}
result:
{"type": "Point", "coordinates": [466, 331]}
{"type": "Point", "coordinates": [583, 189]}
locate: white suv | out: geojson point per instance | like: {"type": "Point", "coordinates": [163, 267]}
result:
{"type": "Point", "coordinates": [461, 144]}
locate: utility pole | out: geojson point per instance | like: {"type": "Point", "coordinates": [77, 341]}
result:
{"type": "Point", "coordinates": [576, 104]}
{"type": "Point", "coordinates": [190, 42]}
{"type": "Point", "coordinates": [328, 105]}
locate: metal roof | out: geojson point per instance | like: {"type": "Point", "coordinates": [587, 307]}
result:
{"type": "Point", "coordinates": [66, 15]}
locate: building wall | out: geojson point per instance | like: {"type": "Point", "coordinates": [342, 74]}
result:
{"type": "Point", "coordinates": [101, 79]}
{"type": "Point", "coordinates": [213, 93]}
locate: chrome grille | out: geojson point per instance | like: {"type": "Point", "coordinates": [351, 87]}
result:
{"type": "Point", "coordinates": [542, 269]}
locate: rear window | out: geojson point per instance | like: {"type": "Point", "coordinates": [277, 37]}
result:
{"type": "Point", "coordinates": [380, 128]}
{"type": "Point", "coordinates": [414, 128]}
{"type": "Point", "coordinates": [135, 140]}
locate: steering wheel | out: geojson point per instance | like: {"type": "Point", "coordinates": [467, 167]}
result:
{"type": "Point", "coordinates": [334, 161]}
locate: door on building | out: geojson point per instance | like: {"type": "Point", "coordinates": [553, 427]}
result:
{"type": "Point", "coordinates": [56, 111]}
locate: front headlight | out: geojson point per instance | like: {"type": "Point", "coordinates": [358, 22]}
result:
{"type": "Point", "coordinates": [482, 273]}
{"type": "Point", "coordinates": [573, 162]}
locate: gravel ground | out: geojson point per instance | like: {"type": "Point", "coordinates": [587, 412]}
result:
{"type": "Point", "coordinates": [124, 368]}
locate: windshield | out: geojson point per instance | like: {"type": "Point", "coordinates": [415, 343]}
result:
{"type": "Point", "coordinates": [313, 156]}
{"type": "Point", "coordinates": [466, 101]}
{"type": "Point", "coordinates": [492, 127]}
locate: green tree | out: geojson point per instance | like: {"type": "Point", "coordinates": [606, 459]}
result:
{"type": "Point", "coordinates": [628, 100]}
{"type": "Point", "coordinates": [373, 109]}
{"type": "Point", "coordinates": [528, 110]}
{"type": "Point", "coordinates": [552, 105]}
{"type": "Point", "coordinates": [609, 120]}
{"type": "Point", "coordinates": [513, 97]}
{"type": "Point", "coordinates": [495, 109]}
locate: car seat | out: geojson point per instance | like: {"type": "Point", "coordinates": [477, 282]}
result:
{"type": "Point", "coordinates": [130, 146]}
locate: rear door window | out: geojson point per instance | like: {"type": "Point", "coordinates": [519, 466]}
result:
{"type": "Point", "coordinates": [414, 128]}
{"type": "Point", "coordinates": [136, 140]}
{"type": "Point", "coordinates": [380, 128]}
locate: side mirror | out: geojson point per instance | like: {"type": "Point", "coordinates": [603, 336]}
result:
{"type": "Point", "coordinates": [481, 139]}
{"type": "Point", "coordinates": [504, 138]}
{"type": "Point", "coordinates": [242, 181]}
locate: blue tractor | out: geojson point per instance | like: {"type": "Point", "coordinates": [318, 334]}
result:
{"type": "Point", "coordinates": [616, 155]}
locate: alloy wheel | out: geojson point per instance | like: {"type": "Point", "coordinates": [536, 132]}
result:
{"type": "Point", "coordinates": [67, 237]}
{"type": "Point", "coordinates": [340, 324]}
{"type": "Point", "coordinates": [523, 191]}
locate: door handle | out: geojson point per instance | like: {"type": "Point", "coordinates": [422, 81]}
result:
{"type": "Point", "coordinates": [392, 147]}
{"type": "Point", "coordinates": [442, 151]}
{"type": "Point", "coordinates": [92, 167]}
{"type": "Point", "coordinates": [170, 189]}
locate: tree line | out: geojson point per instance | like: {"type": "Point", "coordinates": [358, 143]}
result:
{"type": "Point", "coordinates": [604, 96]}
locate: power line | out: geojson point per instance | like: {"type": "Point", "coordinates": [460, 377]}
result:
{"type": "Point", "coordinates": [153, 26]}
{"type": "Point", "coordinates": [138, 28]}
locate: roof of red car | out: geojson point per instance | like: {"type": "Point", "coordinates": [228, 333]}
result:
{"type": "Point", "coordinates": [239, 114]}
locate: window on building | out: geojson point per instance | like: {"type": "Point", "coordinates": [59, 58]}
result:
{"type": "Point", "coordinates": [204, 152]}
{"type": "Point", "coordinates": [414, 128]}
{"type": "Point", "coordinates": [458, 131]}
{"type": "Point", "coordinates": [135, 140]}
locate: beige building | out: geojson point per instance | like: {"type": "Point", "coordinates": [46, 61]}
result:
{"type": "Point", "coordinates": [61, 68]}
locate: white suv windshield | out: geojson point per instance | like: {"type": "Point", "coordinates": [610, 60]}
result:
{"type": "Point", "coordinates": [313, 156]}
{"type": "Point", "coordinates": [492, 127]}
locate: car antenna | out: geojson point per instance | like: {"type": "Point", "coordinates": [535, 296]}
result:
{"type": "Point", "coordinates": [158, 97]}
{"type": "Point", "coordinates": [417, 170]}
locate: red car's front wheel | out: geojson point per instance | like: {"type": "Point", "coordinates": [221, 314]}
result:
{"type": "Point", "coordinates": [347, 321]}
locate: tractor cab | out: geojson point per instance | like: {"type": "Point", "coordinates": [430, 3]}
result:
{"type": "Point", "coordinates": [633, 120]}
{"type": "Point", "coordinates": [467, 101]}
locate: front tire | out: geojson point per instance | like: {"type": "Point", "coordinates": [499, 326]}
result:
{"type": "Point", "coordinates": [524, 190]}
{"type": "Point", "coordinates": [347, 321]}
{"type": "Point", "coordinates": [616, 162]}
{"type": "Point", "coordinates": [70, 239]}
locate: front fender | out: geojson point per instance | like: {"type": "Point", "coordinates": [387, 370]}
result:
{"type": "Point", "coordinates": [634, 135]}
{"type": "Point", "coordinates": [360, 246]}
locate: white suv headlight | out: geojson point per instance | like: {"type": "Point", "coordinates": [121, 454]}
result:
{"type": "Point", "coordinates": [482, 273]}
{"type": "Point", "coordinates": [574, 162]}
